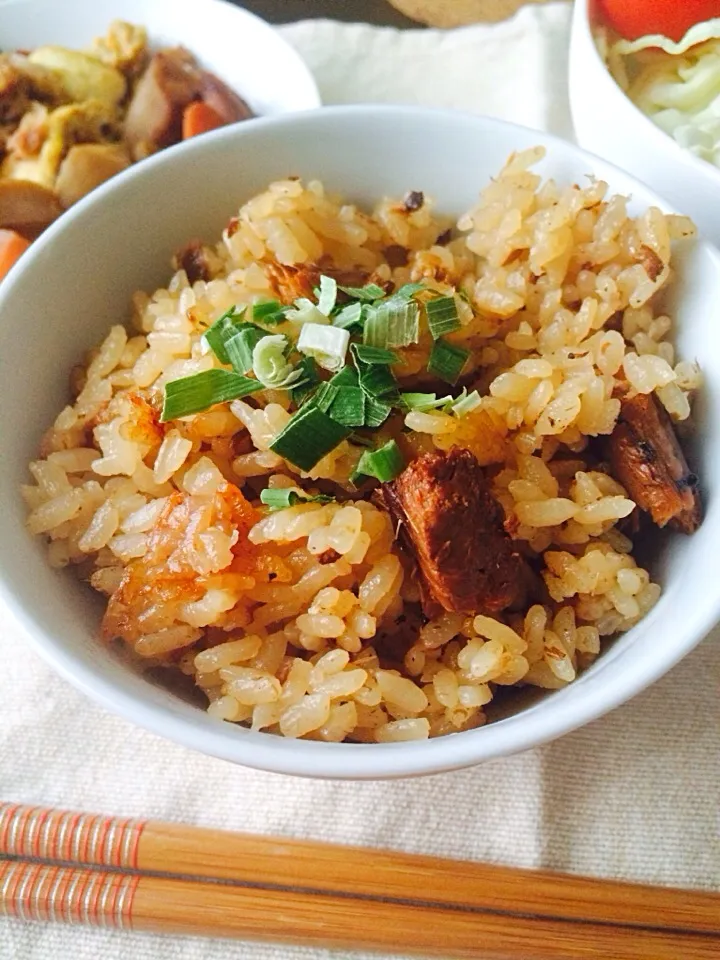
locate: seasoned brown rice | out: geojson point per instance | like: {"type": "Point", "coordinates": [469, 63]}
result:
{"type": "Point", "coordinates": [305, 621]}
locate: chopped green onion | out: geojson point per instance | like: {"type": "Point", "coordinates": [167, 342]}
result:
{"type": "Point", "coordinates": [348, 377]}
{"type": "Point", "coordinates": [328, 345]}
{"type": "Point", "coordinates": [307, 382]}
{"type": "Point", "coordinates": [325, 395]}
{"type": "Point", "coordinates": [350, 318]}
{"type": "Point", "coordinates": [376, 411]}
{"type": "Point", "coordinates": [465, 403]}
{"type": "Point", "coordinates": [442, 315]}
{"type": "Point", "coordinates": [239, 348]}
{"type": "Point", "coordinates": [327, 295]}
{"type": "Point", "coordinates": [385, 463]}
{"type": "Point", "coordinates": [269, 312]}
{"type": "Point", "coordinates": [368, 354]}
{"type": "Point", "coordinates": [447, 361]}
{"type": "Point", "coordinates": [423, 401]}
{"type": "Point", "coordinates": [220, 331]}
{"type": "Point", "coordinates": [408, 290]}
{"type": "Point", "coordinates": [305, 311]}
{"type": "Point", "coordinates": [348, 406]}
{"type": "Point", "coordinates": [196, 393]}
{"type": "Point", "coordinates": [376, 379]}
{"type": "Point", "coordinates": [308, 436]}
{"type": "Point", "coordinates": [368, 293]}
{"type": "Point", "coordinates": [278, 498]}
{"type": "Point", "coordinates": [270, 364]}
{"type": "Point", "coordinates": [392, 323]}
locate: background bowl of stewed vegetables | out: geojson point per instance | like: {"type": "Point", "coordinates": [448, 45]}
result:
{"type": "Point", "coordinates": [88, 89]}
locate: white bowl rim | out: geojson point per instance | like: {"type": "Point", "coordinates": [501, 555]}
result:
{"type": "Point", "coordinates": [341, 760]}
{"type": "Point", "coordinates": [581, 16]}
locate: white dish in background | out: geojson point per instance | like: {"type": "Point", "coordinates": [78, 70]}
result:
{"type": "Point", "coordinates": [240, 48]}
{"type": "Point", "coordinates": [78, 279]}
{"type": "Point", "coordinates": [608, 123]}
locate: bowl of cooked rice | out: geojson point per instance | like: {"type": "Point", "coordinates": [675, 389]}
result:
{"type": "Point", "coordinates": [368, 442]}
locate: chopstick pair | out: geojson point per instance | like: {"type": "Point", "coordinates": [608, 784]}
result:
{"type": "Point", "coordinates": [169, 878]}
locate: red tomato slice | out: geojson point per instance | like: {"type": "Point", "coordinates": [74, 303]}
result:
{"type": "Point", "coordinates": [671, 18]}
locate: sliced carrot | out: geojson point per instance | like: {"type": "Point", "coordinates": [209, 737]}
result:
{"type": "Point", "coordinates": [12, 244]}
{"type": "Point", "coordinates": [199, 117]}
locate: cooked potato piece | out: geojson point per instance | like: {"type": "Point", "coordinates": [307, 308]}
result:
{"type": "Point", "coordinates": [89, 122]}
{"type": "Point", "coordinates": [86, 166]}
{"type": "Point", "coordinates": [30, 169]}
{"type": "Point", "coordinates": [27, 207]}
{"type": "Point", "coordinates": [124, 47]}
{"type": "Point", "coordinates": [84, 77]}
{"type": "Point", "coordinates": [30, 134]}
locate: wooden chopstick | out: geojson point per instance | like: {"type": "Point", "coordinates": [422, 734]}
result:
{"type": "Point", "coordinates": [173, 878]}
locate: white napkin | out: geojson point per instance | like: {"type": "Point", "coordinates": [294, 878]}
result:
{"type": "Point", "coordinates": [633, 795]}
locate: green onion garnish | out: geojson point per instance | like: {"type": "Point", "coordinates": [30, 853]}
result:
{"type": "Point", "coordinates": [350, 317]}
{"type": "Point", "coordinates": [442, 316]}
{"type": "Point", "coordinates": [224, 327]}
{"type": "Point", "coordinates": [239, 347]}
{"type": "Point", "coordinates": [305, 311]}
{"type": "Point", "coordinates": [201, 390]}
{"type": "Point", "coordinates": [269, 312]}
{"type": "Point", "coordinates": [423, 401]}
{"type": "Point", "coordinates": [278, 498]}
{"type": "Point", "coordinates": [385, 463]}
{"type": "Point", "coordinates": [447, 361]}
{"type": "Point", "coordinates": [368, 293]}
{"type": "Point", "coordinates": [392, 323]}
{"type": "Point", "coordinates": [328, 345]}
{"type": "Point", "coordinates": [308, 436]}
{"type": "Point", "coordinates": [376, 411]}
{"type": "Point", "coordinates": [376, 379]}
{"type": "Point", "coordinates": [307, 383]}
{"type": "Point", "coordinates": [368, 354]}
{"type": "Point", "coordinates": [348, 406]}
{"type": "Point", "coordinates": [271, 365]}
{"type": "Point", "coordinates": [348, 377]}
{"type": "Point", "coordinates": [408, 290]}
{"type": "Point", "coordinates": [465, 403]}
{"type": "Point", "coordinates": [327, 295]}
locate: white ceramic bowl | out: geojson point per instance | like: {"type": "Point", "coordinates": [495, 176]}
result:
{"type": "Point", "coordinates": [608, 123]}
{"type": "Point", "coordinates": [237, 46]}
{"type": "Point", "coordinates": [78, 278]}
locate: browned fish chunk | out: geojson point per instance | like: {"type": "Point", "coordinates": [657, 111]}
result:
{"type": "Point", "coordinates": [193, 259]}
{"type": "Point", "coordinates": [647, 459]}
{"type": "Point", "coordinates": [467, 562]}
{"type": "Point", "coordinates": [290, 282]}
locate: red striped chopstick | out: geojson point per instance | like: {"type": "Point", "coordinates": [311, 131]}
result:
{"type": "Point", "coordinates": [138, 875]}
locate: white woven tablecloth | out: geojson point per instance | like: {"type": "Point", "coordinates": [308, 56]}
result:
{"type": "Point", "coordinates": [634, 795]}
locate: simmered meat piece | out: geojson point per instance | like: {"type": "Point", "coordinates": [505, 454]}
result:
{"type": "Point", "coordinates": [27, 207]}
{"type": "Point", "coordinates": [173, 80]}
{"type": "Point", "coordinates": [467, 562]}
{"type": "Point", "coordinates": [647, 459]}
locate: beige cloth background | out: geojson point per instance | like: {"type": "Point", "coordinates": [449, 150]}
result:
{"type": "Point", "coordinates": [634, 795]}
